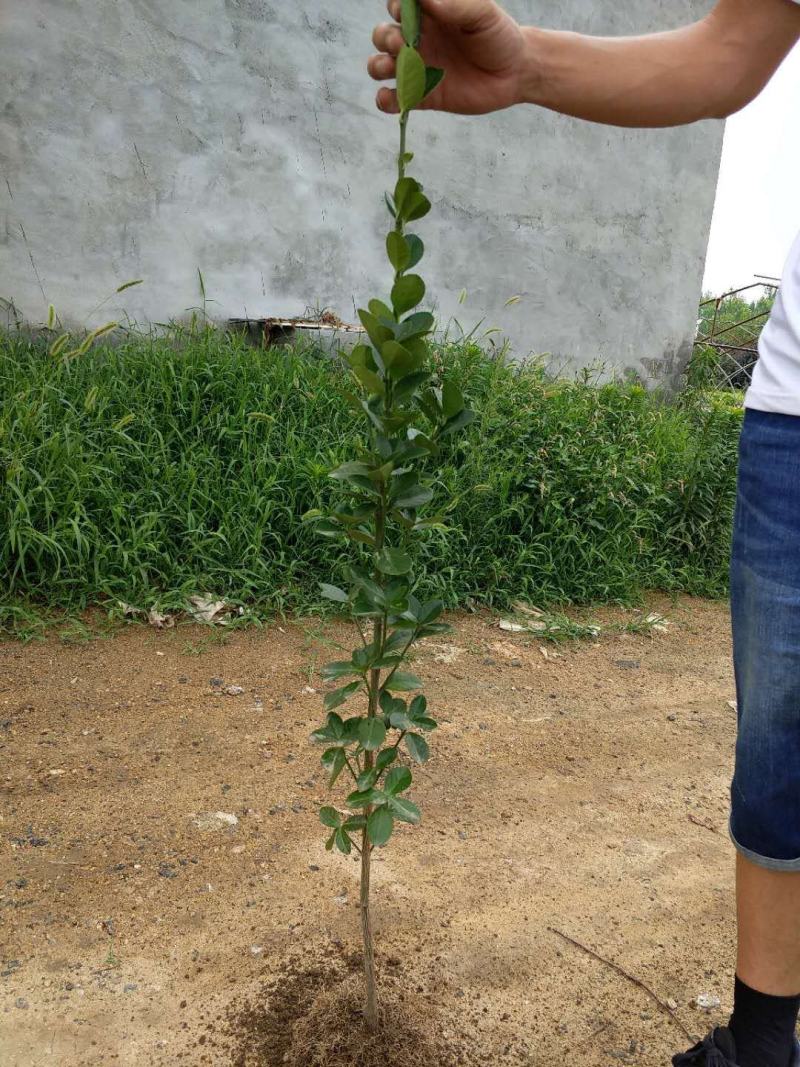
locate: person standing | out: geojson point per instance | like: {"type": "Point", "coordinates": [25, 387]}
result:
{"type": "Point", "coordinates": [706, 70]}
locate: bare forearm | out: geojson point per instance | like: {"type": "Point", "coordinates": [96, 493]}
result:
{"type": "Point", "coordinates": [706, 70]}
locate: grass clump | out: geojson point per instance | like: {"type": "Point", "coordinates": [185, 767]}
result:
{"type": "Point", "coordinates": [162, 467]}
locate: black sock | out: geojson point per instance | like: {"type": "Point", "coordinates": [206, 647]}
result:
{"type": "Point", "coordinates": [763, 1027]}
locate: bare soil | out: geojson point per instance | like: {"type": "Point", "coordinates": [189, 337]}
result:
{"type": "Point", "coordinates": [584, 793]}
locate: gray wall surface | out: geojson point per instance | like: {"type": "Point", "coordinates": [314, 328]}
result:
{"type": "Point", "coordinates": [146, 139]}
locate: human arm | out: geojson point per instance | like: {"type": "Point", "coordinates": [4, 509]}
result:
{"type": "Point", "coordinates": [708, 69]}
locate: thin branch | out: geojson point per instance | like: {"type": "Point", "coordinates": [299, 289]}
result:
{"type": "Point", "coordinates": [701, 822]}
{"type": "Point", "coordinates": [625, 974]}
{"type": "Point", "coordinates": [347, 760]}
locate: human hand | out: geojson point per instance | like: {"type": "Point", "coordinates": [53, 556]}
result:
{"type": "Point", "coordinates": [480, 47]}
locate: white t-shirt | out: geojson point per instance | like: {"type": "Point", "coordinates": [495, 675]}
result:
{"type": "Point", "coordinates": [776, 379]}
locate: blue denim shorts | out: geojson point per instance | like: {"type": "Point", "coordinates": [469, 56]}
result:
{"type": "Point", "coordinates": [765, 600]}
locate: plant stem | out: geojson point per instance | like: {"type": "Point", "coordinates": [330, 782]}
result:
{"type": "Point", "coordinates": [371, 1007]}
{"type": "Point", "coordinates": [379, 636]}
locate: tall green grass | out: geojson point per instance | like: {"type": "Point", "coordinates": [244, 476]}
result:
{"type": "Point", "coordinates": [159, 468]}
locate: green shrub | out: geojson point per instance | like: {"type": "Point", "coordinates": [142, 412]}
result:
{"type": "Point", "coordinates": [159, 468]}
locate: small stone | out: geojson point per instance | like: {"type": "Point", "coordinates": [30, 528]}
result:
{"type": "Point", "coordinates": [215, 820]}
{"type": "Point", "coordinates": [672, 1004]}
{"type": "Point", "coordinates": [297, 808]}
{"type": "Point", "coordinates": [234, 690]}
{"type": "Point", "coordinates": [627, 664]}
{"type": "Point", "coordinates": [22, 1003]}
{"type": "Point", "coordinates": [490, 661]}
{"type": "Point", "coordinates": [672, 718]}
{"type": "Point", "coordinates": [516, 663]}
{"type": "Point", "coordinates": [707, 1002]}
{"type": "Point", "coordinates": [256, 950]}
{"type": "Point", "coordinates": [165, 871]}
{"type": "Point", "coordinates": [483, 726]}
{"type": "Point", "coordinates": [278, 809]}
{"type": "Point", "coordinates": [462, 835]}
{"type": "Point", "coordinates": [69, 986]}
{"type": "Point", "coordinates": [215, 683]}
{"type": "Point", "coordinates": [131, 987]}
{"type": "Point", "coordinates": [313, 867]}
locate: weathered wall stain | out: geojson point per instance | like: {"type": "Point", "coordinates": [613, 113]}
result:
{"type": "Point", "coordinates": [239, 137]}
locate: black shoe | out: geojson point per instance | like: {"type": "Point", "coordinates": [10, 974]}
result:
{"type": "Point", "coordinates": [718, 1050]}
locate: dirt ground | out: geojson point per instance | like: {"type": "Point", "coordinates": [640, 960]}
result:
{"type": "Point", "coordinates": [583, 793]}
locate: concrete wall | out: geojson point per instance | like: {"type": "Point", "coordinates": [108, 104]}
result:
{"type": "Point", "coordinates": [146, 139]}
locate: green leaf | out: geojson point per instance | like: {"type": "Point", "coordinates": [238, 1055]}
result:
{"type": "Point", "coordinates": [405, 388]}
{"type": "Point", "coordinates": [416, 325]}
{"type": "Point", "coordinates": [414, 496]}
{"type": "Point", "coordinates": [312, 516]}
{"type": "Point", "coordinates": [363, 798]}
{"type": "Point", "coordinates": [372, 734]}
{"type": "Point", "coordinates": [361, 356]}
{"type": "Point", "coordinates": [407, 292]}
{"type": "Point", "coordinates": [400, 721]}
{"type": "Point", "coordinates": [418, 748]}
{"type": "Point", "coordinates": [338, 669]}
{"type": "Point", "coordinates": [333, 592]}
{"type": "Point", "coordinates": [343, 842]}
{"type": "Point", "coordinates": [452, 399]}
{"type": "Point", "coordinates": [370, 380]}
{"type": "Point", "coordinates": [399, 360]}
{"type": "Point", "coordinates": [330, 842]}
{"type": "Point", "coordinates": [330, 817]}
{"type": "Point", "coordinates": [393, 561]}
{"type": "Point", "coordinates": [430, 611]}
{"type": "Point", "coordinates": [339, 696]}
{"type": "Point", "coordinates": [326, 528]}
{"type": "Point", "coordinates": [418, 706]}
{"type": "Point", "coordinates": [331, 731]}
{"type": "Point", "coordinates": [367, 779]}
{"type": "Point", "coordinates": [385, 759]}
{"type": "Point", "coordinates": [334, 761]}
{"type": "Point", "coordinates": [398, 780]}
{"type": "Point", "coordinates": [381, 310]}
{"type": "Point", "coordinates": [379, 826]}
{"type": "Point", "coordinates": [410, 21]}
{"type": "Point", "coordinates": [376, 332]}
{"type": "Point", "coordinates": [355, 822]}
{"type": "Point", "coordinates": [433, 78]}
{"type": "Point", "coordinates": [458, 422]}
{"type": "Point", "coordinates": [403, 682]}
{"type": "Point", "coordinates": [405, 811]}
{"type": "Point", "coordinates": [416, 250]}
{"type": "Point", "coordinates": [417, 207]}
{"type": "Point", "coordinates": [404, 190]}
{"type": "Point", "coordinates": [350, 470]}
{"type": "Point", "coordinates": [410, 78]}
{"type": "Point", "coordinates": [398, 251]}
{"type": "Point", "coordinates": [350, 730]}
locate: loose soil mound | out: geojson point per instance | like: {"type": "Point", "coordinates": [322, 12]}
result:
{"type": "Point", "coordinates": [310, 1015]}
